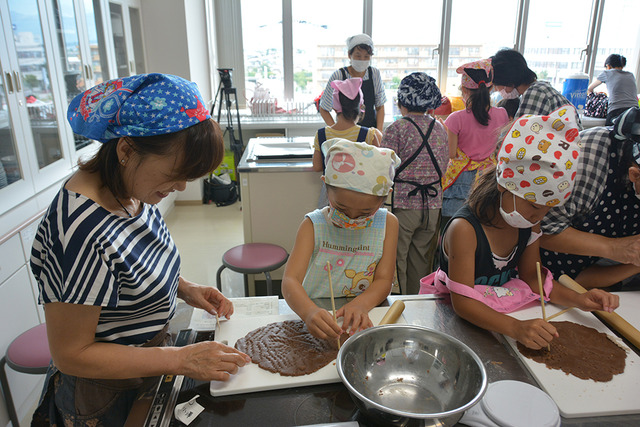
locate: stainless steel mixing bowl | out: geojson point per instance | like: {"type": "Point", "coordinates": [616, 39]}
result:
{"type": "Point", "coordinates": [397, 374]}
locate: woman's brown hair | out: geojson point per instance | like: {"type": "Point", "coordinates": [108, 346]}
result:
{"type": "Point", "coordinates": [198, 148]}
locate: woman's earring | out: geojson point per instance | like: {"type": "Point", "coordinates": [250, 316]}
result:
{"type": "Point", "coordinates": [122, 161]}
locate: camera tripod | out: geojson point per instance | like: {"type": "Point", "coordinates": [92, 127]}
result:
{"type": "Point", "coordinates": [223, 94]}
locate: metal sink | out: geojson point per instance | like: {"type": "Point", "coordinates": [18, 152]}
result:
{"type": "Point", "coordinates": [280, 149]}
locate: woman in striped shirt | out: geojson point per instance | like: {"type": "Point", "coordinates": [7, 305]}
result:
{"type": "Point", "coordinates": [107, 269]}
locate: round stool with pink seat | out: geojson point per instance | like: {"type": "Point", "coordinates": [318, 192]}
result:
{"type": "Point", "coordinates": [28, 354]}
{"type": "Point", "coordinates": [253, 258]}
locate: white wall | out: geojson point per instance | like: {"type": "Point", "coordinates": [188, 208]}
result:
{"type": "Point", "coordinates": [166, 46]}
{"type": "Point", "coordinates": [176, 43]}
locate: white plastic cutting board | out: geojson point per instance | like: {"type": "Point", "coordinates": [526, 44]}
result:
{"type": "Point", "coordinates": [584, 398]}
{"type": "Point", "coordinates": [252, 378]}
{"type": "Point", "coordinates": [629, 307]}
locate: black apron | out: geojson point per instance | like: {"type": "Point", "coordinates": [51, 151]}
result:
{"type": "Point", "coordinates": [617, 214]}
{"type": "Point", "coordinates": [369, 94]}
{"type": "Point", "coordinates": [429, 189]}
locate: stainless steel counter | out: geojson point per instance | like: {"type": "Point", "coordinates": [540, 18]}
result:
{"type": "Point", "coordinates": [278, 188]}
{"type": "Point", "coordinates": [331, 402]}
{"type": "Point", "coordinates": [275, 154]}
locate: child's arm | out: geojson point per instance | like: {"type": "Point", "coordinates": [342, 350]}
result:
{"type": "Point", "coordinates": [595, 299]}
{"type": "Point", "coordinates": [319, 322]}
{"type": "Point", "coordinates": [460, 245]}
{"type": "Point", "coordinates": [355, 314]}
{"type": "Point", "coordinates": [377, 137]}
{"type": "Point", "coordinates": [318, 164]}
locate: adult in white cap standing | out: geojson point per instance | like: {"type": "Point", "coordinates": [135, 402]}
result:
{"type": "Point", "coordinates": [360, 51]}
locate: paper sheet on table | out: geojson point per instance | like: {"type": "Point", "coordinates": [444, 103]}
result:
{"type": "Point", "coordinates": [242, 307]}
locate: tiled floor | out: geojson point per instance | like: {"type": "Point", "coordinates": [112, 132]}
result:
{"type": "Point", "coordinates": [202, 234]}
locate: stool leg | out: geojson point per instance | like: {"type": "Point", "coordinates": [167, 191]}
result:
{"type": "Point", "coordinates": [219, 278]}
{"type": "Point", "coordinates": [11, 409]}
{"type": "Point", "coordinates": [269, 284]}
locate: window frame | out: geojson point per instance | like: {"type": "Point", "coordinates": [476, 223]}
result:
{"type": "Point", "coordinates": [228, 30]}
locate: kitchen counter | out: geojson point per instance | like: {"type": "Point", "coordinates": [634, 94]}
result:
{"type": "Point", "coordinates": [332, 403]}
{"type": "Point", "coordinates": [278, 187]}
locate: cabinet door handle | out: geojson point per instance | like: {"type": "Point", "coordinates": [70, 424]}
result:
{"type": "Point", "coordinates": [8, 82]}
{"type": "Point", "coordinates": [16, 75]}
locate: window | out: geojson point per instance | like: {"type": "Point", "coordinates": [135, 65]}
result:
{"type": "Point", "coordinates": [408, 25]}
{"type": "Point", "coordinates": [619, 34]}
{"type": "Point", "coordinates": [553, 37]}
{"type": "Point", "coordinates": [555, 40]}
{"type": "Point", "coordinates": [263, 52]}
{"type": "Point", "coordinates": [478, 32]}
{"type": "Point", "coordinates": [318, 28]}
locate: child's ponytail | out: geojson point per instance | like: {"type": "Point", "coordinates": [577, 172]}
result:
{"type": "Point", "coordinates": [479, 102]}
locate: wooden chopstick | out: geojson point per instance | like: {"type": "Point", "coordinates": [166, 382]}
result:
{"type": "Point", "coordinates": [544, 313]}
{"type": "Point", "coordinates": [333, 303]}
{"type": "Point", "coordinates": [553, 316]}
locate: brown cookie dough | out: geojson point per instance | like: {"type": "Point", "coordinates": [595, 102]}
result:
{"type": "Point", "coordinates": [580, 351]}
{"type": "Point", "coordinates": [287, 348]}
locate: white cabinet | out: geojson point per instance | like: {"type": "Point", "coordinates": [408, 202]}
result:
{"type": "Point", "coordinates": [46, 58]}
{"type": "Point", "coordinates": [128, 42]}
{"type": "Point", "coordinates": [18, 313]}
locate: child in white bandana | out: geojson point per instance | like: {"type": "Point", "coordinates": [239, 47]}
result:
{"type": "Point", "coordinates": [353, 238]}
{"type": "Point", "coordinates": [490, 247]}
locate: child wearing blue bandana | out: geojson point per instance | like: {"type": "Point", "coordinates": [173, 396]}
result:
{"type": "Point", "coordinates": [354, 239]}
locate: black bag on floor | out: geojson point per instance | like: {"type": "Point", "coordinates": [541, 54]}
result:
{"type": "Point", "coordinates": [219, 192]}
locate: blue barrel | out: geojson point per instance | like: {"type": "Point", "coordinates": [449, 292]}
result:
{"type": "Point", "coordinates": [575, 89]}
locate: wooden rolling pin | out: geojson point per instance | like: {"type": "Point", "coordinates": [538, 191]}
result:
{"type": "Point", "coordinates": [394, 312]}
{"type": "Point", "coordinates": [613, 319]}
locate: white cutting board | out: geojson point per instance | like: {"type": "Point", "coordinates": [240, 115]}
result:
{"type": "Point", "coordinates": [584, 398]}
{"type": "Point", "coordinates": [629, 307]}
{"type": "Point", "coordinates": [252, 378]}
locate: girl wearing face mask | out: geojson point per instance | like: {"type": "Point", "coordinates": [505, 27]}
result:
{"type": "Point", "coordinates": [490, 247]}
{"type": "Point", "coordinates": [513, 78]}
{"type": "Point", "coordinates": [360, 51]}
{"type": "Point", "coordinates": [354, 234]}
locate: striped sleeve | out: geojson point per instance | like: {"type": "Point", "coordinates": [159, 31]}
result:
{"type": "Point", "coordinates": [381, 96]}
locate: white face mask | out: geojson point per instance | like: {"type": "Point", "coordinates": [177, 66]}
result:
{"type": "Point", "coordinates": [509, 95]}
{"type": "Point", "coordinates": [359, 65]}
{"type": "Point", "coordinates": [515, 219]}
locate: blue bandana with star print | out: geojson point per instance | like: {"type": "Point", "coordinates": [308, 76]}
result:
{"type": "Point", "coordinates": [141, 105]}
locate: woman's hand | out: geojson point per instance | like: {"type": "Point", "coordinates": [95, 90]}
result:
{"type": "Point", "coordinates": [321, 325]}
{"type": "Point", "coordinates": [597, 299]}
{"type": "Point", "coordinates": [355, 317]}
{"type": "Point", "coordinates": [207, 298]}
{"type": "Point", "coordinates": [534, 333]}
{"type": "Point", "coordinates": [212, 361]}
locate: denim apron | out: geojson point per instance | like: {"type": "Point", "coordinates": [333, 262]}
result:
{"type": "Point", "coordinates": [73, 401]}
